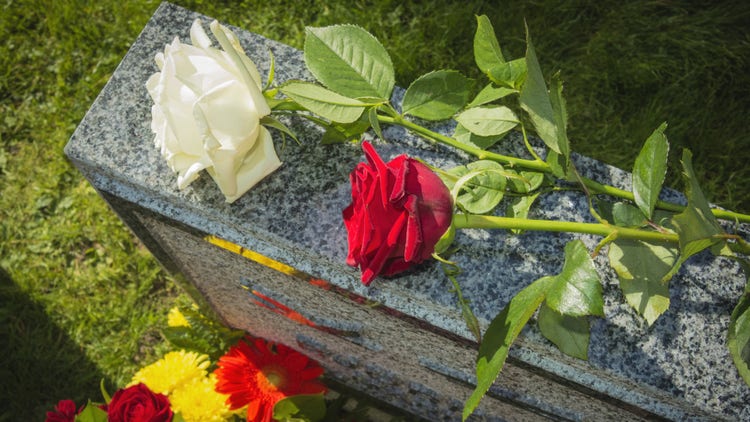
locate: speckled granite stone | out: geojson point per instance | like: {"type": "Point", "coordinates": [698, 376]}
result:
{"type": "Point", "coordinates": [677, 369]}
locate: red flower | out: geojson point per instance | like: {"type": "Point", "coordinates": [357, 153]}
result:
{"type": "Point", "coordinates": [138, 404]}
{"type": "Point", "coordinates": [65, 411]}
{"type": "Point", "coordinates": [258, 374]}
{"type": "Point", "coordinates": [399, 211]}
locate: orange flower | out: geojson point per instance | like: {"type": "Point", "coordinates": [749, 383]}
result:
{"type": "Point", "coordinates": [258, 374]}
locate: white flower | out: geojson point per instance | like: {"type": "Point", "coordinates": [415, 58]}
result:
{"type": "Point", "coordinates": [207, 109]}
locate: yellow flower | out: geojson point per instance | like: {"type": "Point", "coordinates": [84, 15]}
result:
{"type": "Point", "coordinates": [198, 401]}
{"type": "Point", "coordinates": [172, 371]}
{"type": "Point", "coordinates": [175, 318]}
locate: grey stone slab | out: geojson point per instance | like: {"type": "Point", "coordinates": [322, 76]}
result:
{"type": "Point", "coordinates": [677, 369]}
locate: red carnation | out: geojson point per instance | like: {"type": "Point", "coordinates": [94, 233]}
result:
{"type": "Point", "coordinates": [258, 374]}
{"type": "Point", "coordinates": [65, 411]}
{"type": "Point", "coordinates": [138, 404]}
{"type": "Point", "coordinates": [399, 211]}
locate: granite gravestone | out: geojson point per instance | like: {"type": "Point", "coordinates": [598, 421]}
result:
{"type": "Point", "coordinates": [273, 264]}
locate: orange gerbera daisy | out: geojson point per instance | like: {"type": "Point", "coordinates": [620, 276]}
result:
{"type": "Point", "coordinates": [258, 373]}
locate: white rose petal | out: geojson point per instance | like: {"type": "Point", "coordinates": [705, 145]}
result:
{"type": "Point", "coordinates": [206, 114]}
{"type": "Point", "coordinates": [259, 162]}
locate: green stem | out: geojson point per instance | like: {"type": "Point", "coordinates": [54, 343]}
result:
{"type": "Point", "coordinates": [536, 165]}
{"type": "Point", "coordinates": [667, 206]}
{"type": "Point", "coordinates": [608, 231]}
{"type": "Point", "coordinates": [528, 144]}
{"type": "Point", "coordinates": [541, 166]}
{"type": "Point", "coordinates": [467, 221]}
{"type": "Point", "coordinates": [736, 243]}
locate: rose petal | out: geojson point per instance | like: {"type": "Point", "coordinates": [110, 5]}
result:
{"type": "Point", "coordinates": [198, 36]}
{"type": "Point", "coordinates": [235, 180]}
{"type": "Point", "coordinates": [413, 240]}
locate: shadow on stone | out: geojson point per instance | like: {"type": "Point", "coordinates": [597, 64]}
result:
{"type": "Point", "coordinates": [40, 363]}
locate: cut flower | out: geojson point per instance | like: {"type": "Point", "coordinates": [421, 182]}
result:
{"type": "Point", "coordinates": [198, 401]}
{"type": "Point", "coordinates": [207, 109]}
{"type": "Point", "coordinates": [65, 411]}
{"type": "Point", "coordinates": [175, 318]}
{"type": "Point", "coordinates": [172, 371]}
{"type": "Point", "coordinates": [257, 374]}
{"type": "Point", "coordinates": [138, 404]}
{"type": "Point", "coordinates": [399, 211]}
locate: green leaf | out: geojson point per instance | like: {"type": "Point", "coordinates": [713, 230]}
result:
{"type": "Point", "coordinates": [640, 267]}
{"type": "Point", "coordinates": [570, 334]}
{"type": "Point", "coordinates": [471, 321]}
{"type": "Point", "coordinates": [437, 95]}
{"type": "Point", "coordinates": [621, 214]}
{"type": "Point", "coordinates": [308, 407]}
{"type": "Point", "coordinates": [451, 270]}
{"type": "Point", "coordinates": [649, 171]}
{"type": "Point", "coordinates": [324, 102]}
{"type": "Point", "coordinates": [487, 52]}
{"type": "Point", "coordinates": [627, 215]}
{"type": "Point", "coordinates": [203, 335]}
{"type": "Point", "coordinates": [525, 181]}
{"type": "Point", "coordinates": [577, 290]}
{"type": "Point", "coordinates": [520, 207]}
{"type": "Point", "coordinates": [560, 166]}
{"type": "Point", "coordinates": [271, 73]}
{"type": "Point", "coordinates": [274, 123]}
{"type": "Point", "coordinates": [723, 249]}
{"type": "Point", "coordinates": [340, 133]}
{"type": "Point", "coordinates": [522, 183]}
{"type": "Point", "coordinates": [350, 61]}
{"type": "Point", "coordinates": [462, 134]}
{"type": "Point", "coordinates": [490, 60]}
{"type": "Point", "coordinates": [738, 337]}
{"type": "Point", "coordinates": [559, 113]}
{"type": "Point", "coordinates": [185, 337]}
{"type": "Point", "coordinates": [105, 393]}
{"type": "Point", "coordinates": [696, 226]}
{"type": "Point", "coordinates": [510, 74]}
{"type": "Point", "coordinates": [488, 121]}
{"type": "Point", "coordinates": [489, 94]}
{"type": "Point", "coordinates": [535, 100]}
{"type": "Point", "coordinates": [372, 116]}
{"type": "Point", "coordinates": [500, 335]}
{"type": "Point", "coordinates": [91, 413]}
{"type": "Point", "coordinates": [480, 186]}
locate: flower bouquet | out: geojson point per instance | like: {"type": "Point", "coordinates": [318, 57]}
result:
{"type": "Point", "coordinates": [216, 374]}
{"type": "Point", "coordinates": [212, 110]}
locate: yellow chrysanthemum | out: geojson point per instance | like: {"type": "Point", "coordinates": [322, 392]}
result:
{"type": "Point", "coordinates": [175, 318]}
{"type": "Point", "coordinates": [198, 401]}
{"type": "Point", "coordinates": [172, 371]}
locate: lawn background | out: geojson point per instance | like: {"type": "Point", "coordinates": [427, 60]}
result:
{"type": "Point", "coordinates": [81, 300]}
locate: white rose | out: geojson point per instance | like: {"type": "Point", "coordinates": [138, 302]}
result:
{"type": "Point", "coordinates": [206, 114]}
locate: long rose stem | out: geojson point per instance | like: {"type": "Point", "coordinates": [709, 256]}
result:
{"type": "Point", "coordinates": [466, 221]}
{"type": "Point", "coordinates": [541, 166]}
{"type": "Point", "coordinates": [471, 221]}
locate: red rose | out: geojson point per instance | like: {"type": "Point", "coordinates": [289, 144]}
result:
{"type": "Point", "coordinates": [65, 411]}
{"type": "Point", "coordinates": [138, 404]}
{"type": "Point", "coordinates": [399, 211]}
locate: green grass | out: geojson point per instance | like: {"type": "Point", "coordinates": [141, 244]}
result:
{"type": "Point", "coordinates": [81, 300]}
